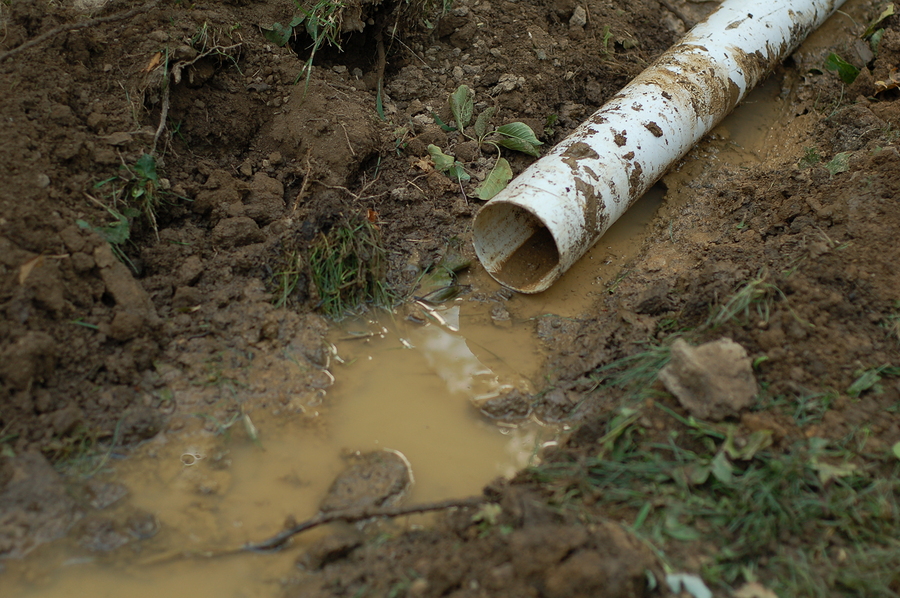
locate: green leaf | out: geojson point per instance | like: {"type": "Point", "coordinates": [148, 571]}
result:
{"type": "Point", "coordinates": [379, 106]}
{"type": "Point", "coordinates": [828, 472]}
{"type": "Point", "coordinates": [458, 172]}
{"type": "Point", "coordinates": [519, 137]}
{"type": "Point", "coordinates": [496, 181]}
{"type": "Point", "coordinates": [279, 34]}
{"type": "Point", "coordinates": [676, 529]}
{"type": "Point", "coordinates": [867, 380]}
{"type": "Point", "coordinates": [442, 161]}
{"type": "Point", "coordinates": [870, 30]}
{"type": "Point", "coordinates": [875, 40]}
{"type": "Point", "coordinates": [846, 71]}
{"type": "Point", "coordinates": [756, 442]}
{"type": "Point", "coordinates": [722, 469]}
{"type": "Point", "coordinates": [441, 123]}
{"type": "Point", "coordinates": [698, 473]}
{"type": "Point", "coordinates": [462, 104]}
{"type": "Point", "coordinates": [483, 121]}
{"type": "Point", "coordinates": [114, 234]}
{"type": "Point", "coordinates": [448, 164]}
{"type": "Point", "coordinates": [896, 449]}
{"type": "Point", "coordinates": [146, 168]}
{"type": "Point", "coordinates": [840, 163]}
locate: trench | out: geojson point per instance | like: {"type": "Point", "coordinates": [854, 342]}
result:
{"type": "Point", "coordinates": [401, 386]}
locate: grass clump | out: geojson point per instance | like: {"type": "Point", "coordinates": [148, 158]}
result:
{"type": "Point", "coordinates": [699, 484]}
{"type": "Point", "coordinates": [348, 265]}
{"type": "Point", "coordinates": [287, 280]}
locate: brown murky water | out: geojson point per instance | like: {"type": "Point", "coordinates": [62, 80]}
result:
{"type": "Point", "coordinates": [401, 386]}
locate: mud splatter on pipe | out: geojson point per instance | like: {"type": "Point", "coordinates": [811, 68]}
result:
{"type": "Point", "coordinates": [552, 213]}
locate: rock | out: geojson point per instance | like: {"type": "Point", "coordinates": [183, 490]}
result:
{"type": "Point", "coordinates": [509, 406]}
{"type": "Point", "coordinates": [579, 17]}
{"type": "Point", "coordinates": [237, 232]}
{"type": "Point", "coordinates": [379, 478]}
{"type": "Point", "coordinates": [712, 381]}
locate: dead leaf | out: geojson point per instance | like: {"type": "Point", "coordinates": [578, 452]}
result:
{"type": "Point", "coordinates": [892, 82]}
{"type": "Point", "coordinates": [155, 61]}
{"type": "Point", "coordinates": [424, 164]}
{"type": "Point", "coordinates": [26, 268]}
{"type": "Point", "coordinates": [371, 215]}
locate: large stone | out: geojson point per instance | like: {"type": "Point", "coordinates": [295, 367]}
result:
{"type": "Point", "coordinates": [375, 479]}
{"type": "Point", "coordinates": [712, 381]}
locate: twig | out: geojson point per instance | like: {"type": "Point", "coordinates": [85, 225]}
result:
{"type": "Point", "coordinates": [350, 516]}
{"type": "Point", "coordinates": [75, 26]}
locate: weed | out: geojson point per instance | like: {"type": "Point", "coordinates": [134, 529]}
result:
{"type": "Point", "coordinates": [137, 189]}
{"type": "Point", "coordinates": [607, 35]}
{"type": "Point", "coordinates": [117, 233]}
{"type": "Point", "coordinates": [869, 379]}
{"type": "Point", "coordinates": [811, 157]}
{"type": "Point", "coordinates": [516, 136]}
{"type": "Point", "coordinates": [348, 266]}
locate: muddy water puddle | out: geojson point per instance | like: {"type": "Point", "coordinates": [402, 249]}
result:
{"type": "Point", "coordinates": [399, 384]}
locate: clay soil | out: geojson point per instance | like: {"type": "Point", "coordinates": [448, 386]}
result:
{"type": "Point", "coordinates": [252, 166]}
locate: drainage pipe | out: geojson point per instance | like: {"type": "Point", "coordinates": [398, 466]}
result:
{"type": "Point", "coordinates": [551, 214]}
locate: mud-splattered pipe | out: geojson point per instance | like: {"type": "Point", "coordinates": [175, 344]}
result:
{"type": "Point", "coordinates": [551, 214]}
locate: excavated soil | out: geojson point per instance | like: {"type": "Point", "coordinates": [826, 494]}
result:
{"type": "Point", "coordinates": [253, 164]}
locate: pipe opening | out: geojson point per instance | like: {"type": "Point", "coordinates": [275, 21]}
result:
{"type": "Point", "coordinates": [515, 246]}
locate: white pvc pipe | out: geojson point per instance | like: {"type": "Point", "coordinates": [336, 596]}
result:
{"type": "Point", "coordinates": [551, 214]}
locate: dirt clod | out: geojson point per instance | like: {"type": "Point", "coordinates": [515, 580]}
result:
{"type": "Point", "coordinates": [712, 381]}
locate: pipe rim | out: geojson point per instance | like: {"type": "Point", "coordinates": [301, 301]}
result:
{"type": "Point", "coordinates": [516, 247]}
